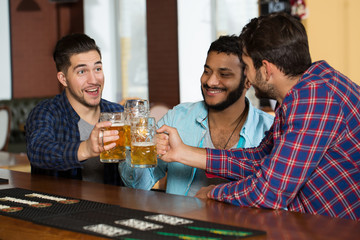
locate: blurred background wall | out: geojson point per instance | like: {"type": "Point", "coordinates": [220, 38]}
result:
{"type": "Point", "coordinates": [334, 34]}
{"type": "Point", "coordinates": [152, 49]}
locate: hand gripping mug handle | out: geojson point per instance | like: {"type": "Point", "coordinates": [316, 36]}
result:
{"type": "Point", "coordinates": [101, 137]}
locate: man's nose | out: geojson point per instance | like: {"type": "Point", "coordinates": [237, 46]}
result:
{"type": "Point", "coordinates": [213, 80]}
{"type": "Point", "coordinates": [92, 77]}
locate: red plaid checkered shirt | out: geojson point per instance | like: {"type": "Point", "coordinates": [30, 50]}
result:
{"type": "Point", "coordinates": [309, 161]}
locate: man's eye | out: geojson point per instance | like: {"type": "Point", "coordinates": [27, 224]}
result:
{"type": "Point", "coordinates": [81, 72]}
{"type": "Point", "coordinates": [225, 75]}
{"type": "Point", "coordinates": [207, 71]}
{"type": "Point", "coordinates": [98, 69]}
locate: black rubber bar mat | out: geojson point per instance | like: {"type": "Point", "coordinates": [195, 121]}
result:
{"type": "Point", "coordinates": [110, 221]}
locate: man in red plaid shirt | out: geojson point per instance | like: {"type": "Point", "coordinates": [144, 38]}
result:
{"type": "Point", "coordinates": [309, 161]}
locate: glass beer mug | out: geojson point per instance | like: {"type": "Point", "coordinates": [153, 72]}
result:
{"type": "Point", "coordinates": [136, 108]}
{"type": "Point", "coordinates": [143, 145]}
{"type": "Point", "coordinates": [118, 153]}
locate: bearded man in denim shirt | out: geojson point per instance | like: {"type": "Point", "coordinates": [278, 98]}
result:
{"type": "Point", "coordinates": [225, 119]}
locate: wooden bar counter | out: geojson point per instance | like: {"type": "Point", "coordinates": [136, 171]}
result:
{"type": "Point", "coordinates": [277, 224]}
{"type": "Point", "coordinates": [14, 161]}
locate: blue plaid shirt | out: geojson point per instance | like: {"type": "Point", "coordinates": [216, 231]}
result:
{"type": "Point", "coordinates": [309, 160]}
{"type": "Point", "coordinates": [53, 137]}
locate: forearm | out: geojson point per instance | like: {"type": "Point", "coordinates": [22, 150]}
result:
{"type": "Point", "coordinates": [53, 155]}
{"type": "Point", "coordinates": [47, 145]}
{"type": "Point", "coordinates": [193, 156]}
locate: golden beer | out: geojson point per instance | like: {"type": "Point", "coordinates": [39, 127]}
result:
{"type": "Point", "coordinates": [143, 154]}
{"type": "Point", "coordinates": [119, 151]}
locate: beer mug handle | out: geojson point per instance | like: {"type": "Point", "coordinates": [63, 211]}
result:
{"type": "Point", "coordinates": [101, 136]}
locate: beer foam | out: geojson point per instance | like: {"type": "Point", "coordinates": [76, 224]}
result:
{"type": "Point", "coordinates": [118, 124]}
{"type": "Point", "coordinates": [142, 144]}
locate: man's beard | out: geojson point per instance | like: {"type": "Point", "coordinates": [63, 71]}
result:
{"type": "Point", "coordinates": [260, 93]}
{"type": "Point", "coordinates": [232, 97]}
{"type": "Point", "coordinates": [82, 99]}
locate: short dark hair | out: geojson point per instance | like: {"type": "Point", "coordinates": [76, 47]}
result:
{"type": "Point", "coordinates": [280, 39]}
{"type": "Point", "coordinates": [69, 45]}
{"type": "Point", "coordinates": [229, 44]}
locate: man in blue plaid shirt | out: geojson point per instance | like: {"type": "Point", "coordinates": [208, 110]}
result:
{"type": "Point", "coordinates": [62, 133]}
{"type": "Point", "coordinates": [309, 161]}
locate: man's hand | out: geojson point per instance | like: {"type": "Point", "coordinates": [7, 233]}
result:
{"type": "Point", "coordinates": [204, 192]}
{"type": "Point", "coordinates": [168, 142]}
{"type": "Point", "coordinates": [171, 148]}
{"type": "Point", "coordinates": [96, 143]}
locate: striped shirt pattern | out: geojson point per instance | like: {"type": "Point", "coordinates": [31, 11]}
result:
{"type": "Point", "coordinates": [309, 161]}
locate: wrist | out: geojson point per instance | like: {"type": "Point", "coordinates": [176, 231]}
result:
{"type": "Point", "coordinates": [82, 152]}
{"type": "Point", "coordinates": [193, 156]}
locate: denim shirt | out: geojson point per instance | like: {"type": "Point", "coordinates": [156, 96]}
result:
{"type": "Point", "coordinates": [190, 121]}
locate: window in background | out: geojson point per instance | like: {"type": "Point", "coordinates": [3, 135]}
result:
{"type": "Point", "coordinates": [5, 60]}
{"type": "Point", "coordinates": [133, 49]}
{"type": "Point", "coordinates": [200, 23]}
{"type": "Point", "coordinates": [231, 16]}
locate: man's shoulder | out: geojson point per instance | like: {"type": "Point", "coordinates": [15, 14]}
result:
{"type": "Point", "coordinates": [185, 114]}
{"type": "Point", "coordinates": [190, 107]}
{"type": "Point", "coordinates": [51, 108]}
{"type": "Point", "coordinates": [257, 123]}
{"type": "Point", "coordinates": [261, 114]}
{"type": "Point", "coordinates": [53, 104]}
{"type": "Point", "coordinates": [188, 110]}
{"type": "Point", "coordinates": [257, 117]}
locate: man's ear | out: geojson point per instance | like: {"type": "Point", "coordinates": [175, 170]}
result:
{"type": "Point", "coordinates": [247, 84]}
{"type": "Point", "coordinates": [62, 78]}
{"type": "Point", "coordinates": [267, 69]}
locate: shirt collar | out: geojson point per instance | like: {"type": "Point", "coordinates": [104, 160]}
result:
{"type": "Point", "coordinates": [65, 101]}
{"type": "Point", "coordinates": [72, 112]}
{"type": "Point", "coordinates": [202, 116]}
{"type": "Point", "coordinates": [247, 128]}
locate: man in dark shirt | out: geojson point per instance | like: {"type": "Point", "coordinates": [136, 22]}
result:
{"type": "Point", "coordinates": [62, 133]}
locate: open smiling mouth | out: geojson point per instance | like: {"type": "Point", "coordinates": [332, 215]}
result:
{"type": "Point", "coordinates": [92, 91]}
{"type": "Point", "coordinates": [214, 90]}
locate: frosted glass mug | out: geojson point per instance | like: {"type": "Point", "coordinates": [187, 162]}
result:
{"type": "Point", "coordinates": [118, 153]}
{"type": "Point", "coordinates": [143, 142]}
